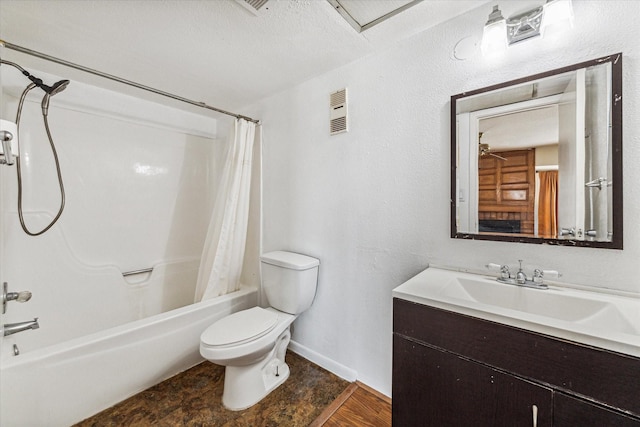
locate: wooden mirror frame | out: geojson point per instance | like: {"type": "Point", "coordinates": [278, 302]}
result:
{"type": "Point", "coordinates": [616, 158]}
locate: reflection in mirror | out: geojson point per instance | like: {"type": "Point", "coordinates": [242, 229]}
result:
{"type": "Point", "coordinates": [539, 159]}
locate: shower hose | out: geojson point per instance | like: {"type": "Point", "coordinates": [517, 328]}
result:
{"type": "Point", "coordinates": [19, 171]}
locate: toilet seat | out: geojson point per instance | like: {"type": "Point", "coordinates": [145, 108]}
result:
{"type": "Point", "coordinates": [240, 327]}
{"type": "Point", "coordinates": [240, 349]}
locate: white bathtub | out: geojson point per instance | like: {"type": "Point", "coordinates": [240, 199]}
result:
{"type": "Point", "coordinates": [65, 383]}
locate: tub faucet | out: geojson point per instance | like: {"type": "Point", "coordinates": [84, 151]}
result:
{"type": "Point", "coordinates": [14, 328]}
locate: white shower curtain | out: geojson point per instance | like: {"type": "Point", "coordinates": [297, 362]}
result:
{"type": "Point", "coordinates": [223, 253]}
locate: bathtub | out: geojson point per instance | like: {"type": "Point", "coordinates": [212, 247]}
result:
{"type": "Point", "coordinates": [65, 383]}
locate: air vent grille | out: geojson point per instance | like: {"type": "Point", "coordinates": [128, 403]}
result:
{"type": "Point", "coordinates": [253, 6]}
{"type": "Point", "coordinates": [256, 4]}
{"type": "Point", "coordinates": [338, 112]}
{"type": "Point", "coordinates": [339, 97]}
{"type": "Point", "coordinates": [338, 125]}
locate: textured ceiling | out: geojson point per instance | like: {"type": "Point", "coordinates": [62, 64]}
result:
{"type": "Point", "coordinates": [213, 51]}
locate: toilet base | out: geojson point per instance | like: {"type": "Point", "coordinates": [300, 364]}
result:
{"type": "Point", "coordinates": [244, 386]}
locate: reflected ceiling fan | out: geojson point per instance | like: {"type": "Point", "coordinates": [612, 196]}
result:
{"type": "Point", "coordinates": [485, 150]}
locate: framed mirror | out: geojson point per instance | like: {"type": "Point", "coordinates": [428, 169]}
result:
{"type": "Point", "coordinates": [539, 159]}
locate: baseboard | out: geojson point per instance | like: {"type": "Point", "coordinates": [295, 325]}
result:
{"type": "Point", "coordinates": [324, 362]}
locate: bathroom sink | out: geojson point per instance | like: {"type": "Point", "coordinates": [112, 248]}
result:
{"type": "Point", "coordinates": [600, 319]}
{"type": "Point", "coordinates": [535, 301]}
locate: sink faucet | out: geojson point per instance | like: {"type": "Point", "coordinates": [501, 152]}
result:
{"type": "Point", "coordinates": [520, 278]}
{"type": "Point", "coordinates": [14, 328]}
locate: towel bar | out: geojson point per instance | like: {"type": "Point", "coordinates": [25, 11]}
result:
{"type": "Point", "coordinates": [132, 272]}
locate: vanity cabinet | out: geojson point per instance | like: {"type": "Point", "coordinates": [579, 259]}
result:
{"type": "Point", "coordinates": [451, 369]}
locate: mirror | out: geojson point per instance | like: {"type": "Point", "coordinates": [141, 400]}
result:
{"type": "Point", "coordinates": [539, 159]}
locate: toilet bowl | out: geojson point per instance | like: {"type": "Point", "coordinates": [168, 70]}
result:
{"type": "Point", "coordinates": [252, 343]}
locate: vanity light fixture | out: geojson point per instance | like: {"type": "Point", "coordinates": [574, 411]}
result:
{"type": "Point", "coordinates": [500, 32]}
{"type": "Point", "coordinates": [494, 35]}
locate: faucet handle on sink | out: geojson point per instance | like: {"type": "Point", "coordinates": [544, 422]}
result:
{"type": "Point", "coordinates": [503, 269]}
{"type": "Point", "coordinates": [538, 276]}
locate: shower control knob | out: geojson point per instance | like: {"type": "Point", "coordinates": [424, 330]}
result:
{"type": "Point", "coordinates": [23, 296]}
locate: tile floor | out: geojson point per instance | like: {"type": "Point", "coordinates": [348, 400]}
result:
{"type": "Point", "coordinates": [194, 398]}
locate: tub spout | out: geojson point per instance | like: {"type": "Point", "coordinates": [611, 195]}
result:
{"type": "Point", "coordinates": [14, 328]}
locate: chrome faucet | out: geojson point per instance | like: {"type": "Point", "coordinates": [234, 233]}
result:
{"type": "Point", "coordinates": [520, 278]}
{"type": "Point", "coordinates": [14, 328]}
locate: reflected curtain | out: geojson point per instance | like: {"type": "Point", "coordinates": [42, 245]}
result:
{"type": "Point", "coordinates": [224, 247]}
{"type": "Point", "coordinates": [548, 204]}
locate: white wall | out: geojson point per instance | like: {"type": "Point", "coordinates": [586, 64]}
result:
{"type": "Point", "coordinates": [373, 204]}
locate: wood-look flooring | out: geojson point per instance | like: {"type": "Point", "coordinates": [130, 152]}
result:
{"type": "Point", "coordinates": [358, 406]}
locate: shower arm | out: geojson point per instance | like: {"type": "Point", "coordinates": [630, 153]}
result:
{"type": "Point", "coordinates": [119, 80]}
{"type": "Point", "coordinates": [36, 81]}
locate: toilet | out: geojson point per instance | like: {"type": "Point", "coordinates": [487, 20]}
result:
{"type": "Point", "coordinates": [252, 343]}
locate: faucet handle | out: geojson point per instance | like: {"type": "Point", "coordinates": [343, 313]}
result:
{"type": "Point", "coordinates": [23, 296]}
{"type": "Point", "coordinates": [504, 272]}
{"type": "Point", "coordinates": [503, 269]}
{"type": "Point", "coordinates": [538, 276]}
{"type": "Point", "coordinates": [7, 296]}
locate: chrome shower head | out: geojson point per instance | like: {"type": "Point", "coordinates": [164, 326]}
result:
{"type": "Point", "coordinates": [50, 91]}
{"type": "Point", "coordinates": [57, 87]}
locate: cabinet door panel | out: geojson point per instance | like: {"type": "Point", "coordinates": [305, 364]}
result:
{"type": "Point", "coordinates": [571, 412]}
{"type": "Point", "coordinates": [436, 388]}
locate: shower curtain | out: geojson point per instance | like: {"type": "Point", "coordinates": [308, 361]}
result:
{"type": "Point", "coordinates": [224, 247]}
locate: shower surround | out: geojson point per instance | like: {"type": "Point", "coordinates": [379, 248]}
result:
{"type": "Point", "coordinates": [140, 181]}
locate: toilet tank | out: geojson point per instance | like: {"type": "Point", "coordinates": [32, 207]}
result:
{"type": "Point", "coordinates": [289, 280]}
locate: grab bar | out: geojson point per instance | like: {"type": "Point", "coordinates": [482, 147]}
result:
{"type": "Point", "coordinates": [132, 272]}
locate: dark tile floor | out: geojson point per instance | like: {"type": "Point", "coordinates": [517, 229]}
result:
{"type": "Point", "coordinates": [194, 398]}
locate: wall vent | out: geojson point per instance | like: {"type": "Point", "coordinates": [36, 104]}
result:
{"type": "Point", "coordinates": [338, 112]}
{"type": "Point", "coordinates": [253, 6]}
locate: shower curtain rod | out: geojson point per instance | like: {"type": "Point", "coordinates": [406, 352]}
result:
{"type": "Point", "coordinates": [121, 80]}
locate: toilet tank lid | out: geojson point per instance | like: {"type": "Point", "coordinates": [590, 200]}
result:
{"type": "Point", "coordinates": [290, 260]}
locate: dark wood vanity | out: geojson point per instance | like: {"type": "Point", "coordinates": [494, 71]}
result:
{"type": "Point", "coordinates": [452, 370]}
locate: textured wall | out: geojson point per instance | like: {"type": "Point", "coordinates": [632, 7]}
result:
{"type": "Point", "coordinates": [373, 204]}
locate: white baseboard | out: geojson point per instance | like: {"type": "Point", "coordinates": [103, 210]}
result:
{"type": "Point", "coordinates": [324, 362]}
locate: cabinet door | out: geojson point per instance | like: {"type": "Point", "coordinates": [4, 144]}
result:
{"type": "Point", "coordinates": [436, 388]}
{"type": "Point", "coordinates": [570, 412]}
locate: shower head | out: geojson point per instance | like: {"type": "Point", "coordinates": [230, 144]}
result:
{"type": "Point", "coordinates": [55, 89]}
{"type": "Point", "coordinates": [51, 90]}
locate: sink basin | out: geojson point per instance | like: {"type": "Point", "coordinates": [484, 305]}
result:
{"type": "Point", "coordinates": [599, 319]}
{"type": "Point", "coordinates": [542, 302]}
